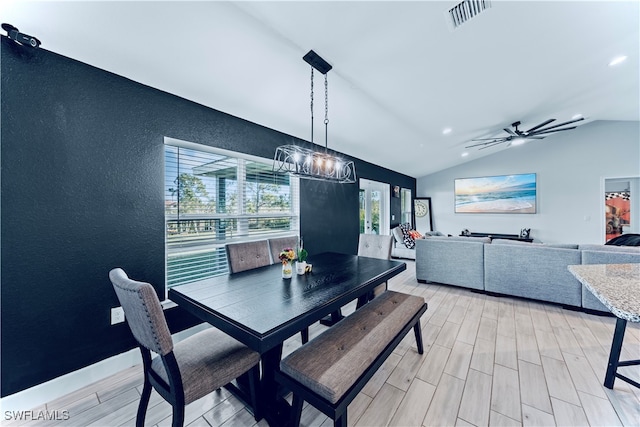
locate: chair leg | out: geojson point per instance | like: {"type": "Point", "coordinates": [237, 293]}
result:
{"type": "Point", "coordinates": [144, 402]}
{"type": "Point", "coordinates": [304, 334]}
{"type": "Point", "coordinates": [178, 416]}
{"type": "Point", "coordinates": [341, 421]}
{"type": "Point", "coordinates": [296, 410]}
{"type": "Point", "coordinates": [418, 332]}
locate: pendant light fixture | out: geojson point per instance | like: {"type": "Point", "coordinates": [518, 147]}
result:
{"type": "Point", "coordinates": [319, 164]}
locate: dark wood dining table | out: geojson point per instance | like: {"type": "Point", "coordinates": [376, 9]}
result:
{"type": "Point", "coordinates": [261, 309]}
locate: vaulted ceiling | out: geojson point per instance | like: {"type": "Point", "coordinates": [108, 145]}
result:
{"type": "Point", "coordinates": [400, 76]}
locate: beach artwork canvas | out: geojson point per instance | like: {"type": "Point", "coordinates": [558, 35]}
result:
{"type": "Point", "coordinates": [496, 194]}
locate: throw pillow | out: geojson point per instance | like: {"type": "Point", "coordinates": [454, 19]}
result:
{"type": "Point", "coordinates": [408, 240]}
{"type": "Point", "coordinates": [415, 234]}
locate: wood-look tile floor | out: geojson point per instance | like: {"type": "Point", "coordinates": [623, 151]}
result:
{"type": "Point", "coordinates": [488, 361]}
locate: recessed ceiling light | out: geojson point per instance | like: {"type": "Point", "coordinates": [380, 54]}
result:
{"type": "Point", "coordinates": [465, 154]}
{"type": "Point", "coordinates": [617, 60]}
{"type": "Point", "coordinates": [446, 131]}
{"type": "Point", "coordinates": [576, 116]}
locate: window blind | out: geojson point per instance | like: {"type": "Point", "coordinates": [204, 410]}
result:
{"type": "Point", "coordinates": [213, 197]}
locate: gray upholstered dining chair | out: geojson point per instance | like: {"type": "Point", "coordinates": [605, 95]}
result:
{"type": "Point", "coordinates": [374, 246]}
{"type": "Point", "coordinates": [247, 255]}
{"type": "Point", "coordinates": [278, 244]}
{"type": "Point", "coordinates": [184, 372]}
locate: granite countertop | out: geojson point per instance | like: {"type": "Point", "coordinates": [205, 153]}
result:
{"type": "Point", "coordinates": [617, 286]}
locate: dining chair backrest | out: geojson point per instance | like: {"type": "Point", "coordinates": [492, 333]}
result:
{"type": "Point", "coordinates": [375, 246]}
{"type": "Point", "coordinates": [190, 369]}
{"type": "Point", "coordinates": [247, 255]}
{"type": "Point", "coordinates": [280, 243]}
{"type": "Point", "coordinates": [143, 312]}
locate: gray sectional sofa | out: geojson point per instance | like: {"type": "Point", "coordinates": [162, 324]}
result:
{"type": "Point", "coordinates": [528, 270]}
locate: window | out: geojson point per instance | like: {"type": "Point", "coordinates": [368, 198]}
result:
{"type": "Point", "coordinates": [405, 202]}
{"type": "Point", "coordinates": [215, 196]}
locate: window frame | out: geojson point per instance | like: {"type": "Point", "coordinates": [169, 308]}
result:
{"type": "Point", "coordinates": [239, 215]}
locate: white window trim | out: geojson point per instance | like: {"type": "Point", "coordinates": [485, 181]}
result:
{"type": "Point", "coordinates": [295, 182]}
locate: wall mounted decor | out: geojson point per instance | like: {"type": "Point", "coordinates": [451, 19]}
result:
{"type": "Point", "coordinates": [422, 218]}
{"type": "Point", "coordinates": [496, 194]}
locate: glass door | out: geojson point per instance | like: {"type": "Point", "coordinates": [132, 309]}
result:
{"type": "Point", "coordinates": [621, 214]}
{"type": "Point", "coordinates": [374, 207]}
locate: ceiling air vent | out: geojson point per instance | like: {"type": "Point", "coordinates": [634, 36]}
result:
{"type": "Point", "coordinates": [464, 11]}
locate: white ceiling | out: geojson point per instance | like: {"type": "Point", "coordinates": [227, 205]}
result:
{"type": "Point", "coordinates": [400, 75]}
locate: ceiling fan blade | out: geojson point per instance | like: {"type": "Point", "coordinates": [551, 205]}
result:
{"type": "Point", "coordinates": [478, 144]}
{"type": "Point", "coordinates": [535, 137]}
{"type": "Point", "coordinates": [490, 142]}
{"type": "Point", "coordinates": [545, 131]}
{"type": "Point", "coordinates": [540, 125]}
{"type": "Point", "coordinates": [490, 145]}
{"type": "Point", "coordinates": [561, 124]}
{"type": "Point", "coordinates": [510, 132]}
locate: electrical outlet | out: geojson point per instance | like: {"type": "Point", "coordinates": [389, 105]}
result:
{"type": "Point", "coordinates": [117, 315]}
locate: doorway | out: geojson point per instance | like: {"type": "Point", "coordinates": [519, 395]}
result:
{"type": "Point", "coordinates": [374, 207]}
{"type": "Point", "coordinates": [621, 206]}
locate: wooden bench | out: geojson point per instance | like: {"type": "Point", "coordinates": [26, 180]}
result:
{"type": "Point", "coordinates": [330, 370]}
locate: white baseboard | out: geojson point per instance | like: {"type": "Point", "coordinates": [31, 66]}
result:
{"type": "Point", "coordinates": [37, 396]}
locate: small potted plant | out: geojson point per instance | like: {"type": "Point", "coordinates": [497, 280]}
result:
{"type": "Point", "coordinates": [301, 263]}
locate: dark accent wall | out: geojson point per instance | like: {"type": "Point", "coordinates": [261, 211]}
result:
{"type": "Point", "coordinates": [82, 193]}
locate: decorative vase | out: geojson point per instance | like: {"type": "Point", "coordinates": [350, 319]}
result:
{"type": "Point", "coordinates": [301, 267]}
{"type": "Point", "coordinates": [287, 270]}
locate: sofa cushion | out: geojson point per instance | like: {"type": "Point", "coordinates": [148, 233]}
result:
{"type": "Point", "coordinates": [451, 261]}
{"type": "Point", "coordinates": [401, 251]}
{"type": "Point", "coordinates": [462, 239]}
{"type": "Point", "coordinates": [511, 242]}
{"type": "Point", "coordinates": [397, 234]}
{"type": "Point", "coordinates": [533, 271]}
{"type": "Point", "coordinates": [546, 245]}
{"type": "Point", "coordinates": [561, 245]}
{"type": "Point", "coordinates": [602, 248]}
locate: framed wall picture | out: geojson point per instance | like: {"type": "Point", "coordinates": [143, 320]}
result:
{"type": "Point", "coordinates": [512, 194]}
{"type": "Point", "coordinates": [396, 191]}
{"type": "Point", "coordinates": [422, 219]}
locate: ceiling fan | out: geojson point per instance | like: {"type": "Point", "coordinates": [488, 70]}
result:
{"type": "Point", "coordinates": [515, 135]}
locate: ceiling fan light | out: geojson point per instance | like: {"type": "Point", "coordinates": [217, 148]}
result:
{"type": "Point", "coordinates": [617, 60]}
{"type": "Point", "coordinates": [518, 141]}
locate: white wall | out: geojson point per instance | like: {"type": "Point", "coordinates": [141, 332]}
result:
{"type": "Point", "coordinates": [570, 167]}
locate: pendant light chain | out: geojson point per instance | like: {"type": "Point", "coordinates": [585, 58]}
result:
{"type": "Point", "coordinates": [312, 163]}
{"type": "Point", "coordinates": [311, 104]}
{"type": "Point", "coordinates": [326, 111]}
